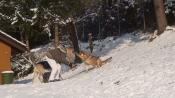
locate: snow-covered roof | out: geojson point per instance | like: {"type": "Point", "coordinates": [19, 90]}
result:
{"type": "Point", "coordinates": [12, 41]}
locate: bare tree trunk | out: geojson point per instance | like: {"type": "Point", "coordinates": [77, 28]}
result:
{"type": "Point", "coordinates": [27, 41]}
{"type": "Point", "coordinates": [90, 42]}
{"type": "Point", "coordinates": [118, 16]}
{"type": "Point", "coordinates": [104, 2]}
{"type": "Point", "coordinates": [160, 15]}
{"type": "Point", "coordinates": [56, 35]}
{"type": "Point", "coordinates": [142, 6]}
{"type": "Point", "coordinates": [144, 22]}
{"type": "Point", "coordinates": [21, 30]}
{"type": "Point", "coordinates": [74, 39]}
{"type": "Point", "coordinates": [21, 36]}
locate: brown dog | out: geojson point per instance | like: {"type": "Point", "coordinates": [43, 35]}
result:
{"type": "Point", "coordinates": [92, 60]}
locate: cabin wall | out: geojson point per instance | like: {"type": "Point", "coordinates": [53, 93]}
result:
{"type": "Point", "coordinates": [5, 54]}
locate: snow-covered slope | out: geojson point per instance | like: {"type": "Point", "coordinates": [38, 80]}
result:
{"type": "Point", "coordinates": [139, 69]}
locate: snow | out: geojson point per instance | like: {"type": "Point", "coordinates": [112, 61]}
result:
{"type": "Point", "coordinates": [14, 22]}
{"type": "Point", "coordinates": [22, 17]}
{"type": "Point", "coordinates": [139, 69]}
{"type": "Point", "coordinates": [4, 16]}
{"type": "Point", "coordinates": [7, 72]}
{"type": "Point", "coordinates": [34, 9]}
{"type": "Point", "coordinates": [35, 16]}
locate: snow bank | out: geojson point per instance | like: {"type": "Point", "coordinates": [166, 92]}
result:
{"type": "Point", "coordinates": [7, 72]}
{"type": "Point", "coordinates": [139, 69]}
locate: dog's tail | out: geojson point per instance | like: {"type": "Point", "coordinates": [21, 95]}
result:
{"type": "Point", "coordinates": [107, 60]}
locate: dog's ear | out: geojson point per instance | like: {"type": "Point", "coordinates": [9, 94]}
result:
{"type": "Point", "coordinates": [81, 54]}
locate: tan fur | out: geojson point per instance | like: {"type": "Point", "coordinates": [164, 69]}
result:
{"type": "Point", "coordinates": [92, 60]}
{"type": "Point", "coordinates": [70, 54]}
{"type": "Point", "coordinates": [70, 57]}
{"type": "Point", "coordinates": [38, 72]}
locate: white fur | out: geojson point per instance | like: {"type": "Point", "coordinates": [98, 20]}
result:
{"type": "Point", "coordinates": [56, 68]}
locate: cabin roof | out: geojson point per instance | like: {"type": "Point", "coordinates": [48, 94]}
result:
{"type": "Point", "coordinates": [12, 41]}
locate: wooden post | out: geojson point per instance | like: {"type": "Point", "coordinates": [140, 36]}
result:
{"type": "Point", "coordinates": [5, 54]}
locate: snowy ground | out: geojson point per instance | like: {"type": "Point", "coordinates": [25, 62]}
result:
{"type": "Point", "coordinates": [139, 69]}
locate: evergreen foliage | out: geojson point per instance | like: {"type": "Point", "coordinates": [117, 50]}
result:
{"type": "Point", "coordinates": [36, 18]}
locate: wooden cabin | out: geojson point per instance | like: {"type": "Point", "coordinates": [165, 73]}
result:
{"type": "Point", "coordinates": [8, 47]}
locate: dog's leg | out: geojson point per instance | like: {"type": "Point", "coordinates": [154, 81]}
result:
{"type": "Point", "coordinates": [40, 77]}
{"type": "Point", "coordinates": [34, 77]}
{"type": "Point", "coordinates": [37, 78]}
{"type": "Point", "coordinates": [98, 63]}
{"type": "Point", "coordinates": [86, 67]}
{"type": "Point", "coordinates": [38, 74]}
{"type": "Point", "coordinates": [57, 76]}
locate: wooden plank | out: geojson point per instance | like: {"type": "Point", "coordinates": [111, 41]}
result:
{"type": "Point", "coordinates": [5, 54]}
